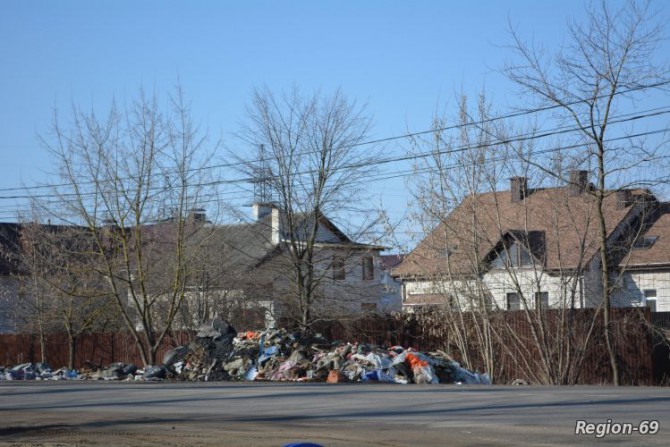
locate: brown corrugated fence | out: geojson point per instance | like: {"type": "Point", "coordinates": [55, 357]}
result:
{"type": "Point", "coordinates": [640, 347]}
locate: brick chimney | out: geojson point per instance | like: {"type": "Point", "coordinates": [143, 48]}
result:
{"type": "Point", "coordinates": [624, 197]}
{"type": "Point", "coordinates": [518, 188]}
{"type": "Point", "coordinates": [198, 215]}
{"type": "Point", "coordinates": [579, 182]}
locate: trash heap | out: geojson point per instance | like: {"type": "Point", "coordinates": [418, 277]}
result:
{"type": "Point", "coordinates": [220, 353]}
{"type": "Point", "coordinates": [37, 371]}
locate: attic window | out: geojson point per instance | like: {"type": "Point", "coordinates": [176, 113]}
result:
{"type": "Point", "coordinates": [514, 256]}
{"type": "Point", "coordinates": [644, 242]}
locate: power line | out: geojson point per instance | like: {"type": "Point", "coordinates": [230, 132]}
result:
{"type": "Point", "coordinates": [655, 112]}
{"type": "Point", "coordinates": [372, 142]}
{"type": "Point", "coordinates": [406, 172]}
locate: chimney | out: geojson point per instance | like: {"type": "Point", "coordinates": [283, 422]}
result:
{"type": "Point", "coordinates": [262, 209]}
{"type": "Point", "coordinates": [199, 215]}
{"type": "Point", "coordinates": [579, 182]}
{"type": "Point", "coordinates": [518, 188]}
{"type": "Point", "coordinates": [623, 198]}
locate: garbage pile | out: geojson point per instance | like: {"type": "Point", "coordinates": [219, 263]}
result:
{"type": "Point", "coordinates": [37, 371]}
{"type": "Point", "coordinates": [220, 353]}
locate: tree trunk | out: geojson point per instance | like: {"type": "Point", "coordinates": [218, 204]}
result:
{"type": "Point", "coordinates": [605, 276]}
{"type": "Point", "coordinates": [72, 348]}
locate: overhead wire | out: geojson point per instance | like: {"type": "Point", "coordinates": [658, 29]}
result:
{"type": "Point", "coordinates": [648, 113]}
{"type": "Point", "coordinates": [405, 136]}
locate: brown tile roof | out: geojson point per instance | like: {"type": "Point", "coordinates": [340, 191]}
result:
{"type": "Point", "coordinates": [10, 242]}
{"type": "Point", "coordinates": [390, 261]}
{"type": "Point", "coordinates": [658, 253]}
{"type": "Point", "coordinates": [559, 227]}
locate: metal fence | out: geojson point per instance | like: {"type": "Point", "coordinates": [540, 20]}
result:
{"type": "Point", "coordinates": [642, 350]}
{"type": "Point", "coordinates": [91, 350]}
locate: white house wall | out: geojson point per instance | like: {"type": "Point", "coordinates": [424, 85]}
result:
{"type": "Point", "coordinates": [630, 291]}
{"type": "Point", "coordinates": [501, 282]}
{"type": "Point", "coordinates": [528, 282]}
{"type": "Point", "coordinates": [350, 294]}
{"type": "Point", "coordinates": [391, 300]}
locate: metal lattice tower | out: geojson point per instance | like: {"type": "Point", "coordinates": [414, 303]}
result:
{"type": "Point", "coordinates": [262, 180]}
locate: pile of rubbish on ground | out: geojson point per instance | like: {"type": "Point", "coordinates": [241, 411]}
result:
{"type": "Point", "coordinates": [221, 353]}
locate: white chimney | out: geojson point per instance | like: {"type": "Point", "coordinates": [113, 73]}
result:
{"type": "Point", "coordinates": [261, 210]}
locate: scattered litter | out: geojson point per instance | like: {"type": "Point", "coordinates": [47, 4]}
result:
{"type": "Point", "coordinates": [220, 353]}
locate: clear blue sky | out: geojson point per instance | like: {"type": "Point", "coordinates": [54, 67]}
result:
{"type": "Point", "coordinates": [401, 58]}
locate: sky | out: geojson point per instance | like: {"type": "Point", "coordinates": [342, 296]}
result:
{"type": "Point", "coordinates": [403, 60]}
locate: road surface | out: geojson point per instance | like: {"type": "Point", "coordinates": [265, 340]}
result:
{"type": "Point", "coordinates": [275, 414]}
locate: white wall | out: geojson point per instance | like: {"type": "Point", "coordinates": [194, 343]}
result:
{"type": "Point", "coordinates": [529, 281]}
{"type": "Point", "coordinates": [349, 295]}
{"type": "Point", "coordinates": [499, 283]}
{"type": "Point", "coordinates": [634, 284]}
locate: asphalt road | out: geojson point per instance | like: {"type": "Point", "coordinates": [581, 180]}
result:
{"type": "Point", "coordinates": [275, 414]}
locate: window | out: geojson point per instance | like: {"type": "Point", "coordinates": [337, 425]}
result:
{"type": "Point", "coordinates": [369, 307]}
{"type": "Point", "coordinates": [650, 299]}
{"type": "Point", "coordinates": [368, 268]}
{"type": "Point", "coordinates": [541, 300]}
{"type": "Point", "coordinates": [453, 304]}
{"type": "Point", "coordinates": [513, 256]}
{"type": "Point", "coordinates": [644, 242]}
{"type": "Point", "coordinates": [338, 267]}
{"type": "Point", "coordinates": [513, 301]}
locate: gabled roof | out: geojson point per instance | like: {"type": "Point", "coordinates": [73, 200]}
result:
{"type": "Point", "coordinates": [389, 262]}
{"type": "Point", "coordinates": [247, 245]}
{"type": "Point", "coordinates": [653, 252]}
{"type": "Point", "coordinates": [10, 242]}
{"type": "Point", "coordinates": [556, 225]}
{"type": "Point", "coordinates": [16, 238]}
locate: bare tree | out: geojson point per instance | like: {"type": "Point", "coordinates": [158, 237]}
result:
{"type": "Point", "coordinates": [485, 247]}
{"type": "Point", "coordinates": [26, 280]}
{"type": "Point", "coordinates": [457, 170]}
{"type": "Point", "coordinates": [67, 293]}
{"type": "Point", "coordinates": [305, 151]}
{"type": "Point", "coordinates": [132, 179]}
{"type": "Point", "coordinates": [606, 59]}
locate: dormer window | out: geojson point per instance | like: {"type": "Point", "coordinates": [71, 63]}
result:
{"type": "Point", "coordinates": [514, 256]}
{"type": "Point", "coordinates": [644, 242]}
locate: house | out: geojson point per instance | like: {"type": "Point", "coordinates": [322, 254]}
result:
{"type": "Point", "coordinates": [250, 276]}
{"type": "Point", "coordinates": [644, 272]}
{"type": "Point", "coordinates": [391, 287]}
{"type": "Point", "coordinates": [240, 272]}
{"type": "Point", "coordinates": [9, 285]}
{"type": "Point", "coordinates": [40, 276]}
{"type": "Point", "coordinates": [244, 273]}
{"type": "Point", "coordinates": [539, 248]}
